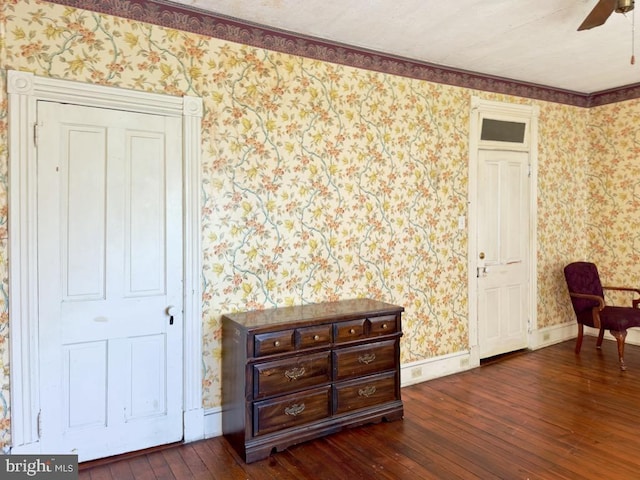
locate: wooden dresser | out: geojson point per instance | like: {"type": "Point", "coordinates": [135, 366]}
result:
{"type": "Point", "coordinates": [296, 373]}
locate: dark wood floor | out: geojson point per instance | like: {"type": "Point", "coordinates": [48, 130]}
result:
{"type": "Point", "coordinates": [547, 414]}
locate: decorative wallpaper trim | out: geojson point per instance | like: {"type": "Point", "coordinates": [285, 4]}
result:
{"type": "Point", "coordinates": [190, 19]}
{"type": "Point", "coordinates": [614, 95]}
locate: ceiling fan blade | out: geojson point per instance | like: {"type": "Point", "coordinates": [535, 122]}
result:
{"type": "Point", "coordinates": [599, 14]}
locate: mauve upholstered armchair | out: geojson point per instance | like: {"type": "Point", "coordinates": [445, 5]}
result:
{"type": "Point", "coordinates": [587, 297]}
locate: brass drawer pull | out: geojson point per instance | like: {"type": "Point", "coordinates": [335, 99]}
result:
{"type": "Point", "coordinates": [367, 391]}
{"type": "Point", "coordinates": [316, 337]}
{"type": "Point", "coordinates": [385, 326]}
{"type": "Point", "coordinates": [294, 410]}
{"type": "Point", "coordinates": [367, 358]}
{"type": "Point", "coordinates": [352, 331]}
{"type": "Point", "coordinates": [276, 343]}
{"type": "Point", "coordinates": [294, 373]}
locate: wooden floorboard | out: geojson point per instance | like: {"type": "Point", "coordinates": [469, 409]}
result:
{"type": "Point", "coordinates": [547, 414]}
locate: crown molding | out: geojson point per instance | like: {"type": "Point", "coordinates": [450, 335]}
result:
{"type": "Point", "coordinates": [194, 20]}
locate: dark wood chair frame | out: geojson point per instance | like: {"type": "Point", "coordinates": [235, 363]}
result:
{"type": "Point", "coordinates": [620, 336]}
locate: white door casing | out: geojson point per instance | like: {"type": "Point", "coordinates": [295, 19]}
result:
{"type": "Point", "coordinates": [25, 91]}
{"type": "Point", "coordinates": [109, 279]}
{"type": "Point", "coordinates": [522, 114]}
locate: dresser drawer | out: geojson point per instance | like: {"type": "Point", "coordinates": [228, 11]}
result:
{"type": "Point", "coordinates": [352, 330]}
{"type": "Point", "coordinates": [270, 343]}
{"type": "Point", "coordinates": [364, 359]}
{"type": "Point", "coordinates": [309, 337]}
{"type": "Point", "coordinates": [272, 378]}
{"type": "Point", "coordinates": [357, 394]}
{"type": "Point", "coordinates": [292, 410]}
{"type": "Point", "coordinates": [384, 325]}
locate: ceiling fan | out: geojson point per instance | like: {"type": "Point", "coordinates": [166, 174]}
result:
{"type": "Point", "coordinates": [602, 11]}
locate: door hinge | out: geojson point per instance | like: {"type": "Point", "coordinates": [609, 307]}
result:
{"type": "Point", "coordinates": [36, 133]}
{"type": "Point", "coordinates": [39, 424]}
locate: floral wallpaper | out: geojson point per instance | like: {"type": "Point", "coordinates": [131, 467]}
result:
{"type": "Point", "coordinates": [323, 181]}
{"type": "Point", "coordinates": [613, 213]}
{"type": "Point", "coordinates": [562, 197]}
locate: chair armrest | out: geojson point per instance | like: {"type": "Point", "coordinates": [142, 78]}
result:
{"type": "Point", "coordinates": [597, 298]}
{"type": "Point", "coordinates": [595, 311]}
{"type": "Point", "coordinates": [635, 302]}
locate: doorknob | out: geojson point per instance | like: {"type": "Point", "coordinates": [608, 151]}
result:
{"type": "Point", "coordinates": [482, 269]}
{"type": "Point", "coordinates": [171, 311]}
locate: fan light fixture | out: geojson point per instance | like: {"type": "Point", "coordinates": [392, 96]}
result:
{"type": "Point", "coordinates": [624, 6]}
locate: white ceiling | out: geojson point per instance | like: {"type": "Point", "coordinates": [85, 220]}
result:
{"type": "Point", "coordinates": [533, 41]}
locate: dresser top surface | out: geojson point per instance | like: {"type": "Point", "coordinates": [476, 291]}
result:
{"type": "Point", "coordinates": [314, 313]}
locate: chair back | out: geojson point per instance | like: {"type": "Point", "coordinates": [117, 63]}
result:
{"type": "Point", "coordinates": [582, 277]}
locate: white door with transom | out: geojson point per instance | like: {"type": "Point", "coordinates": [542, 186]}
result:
{"type": "Point", "coordinates": [110, 294]}
{"type": "Point", "coordinates": [503, 239]}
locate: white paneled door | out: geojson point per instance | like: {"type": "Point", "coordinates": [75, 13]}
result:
{"type": "Point", "coordinates": [109, 238]}
{"type": "Point", "coordinates": [503, 243]}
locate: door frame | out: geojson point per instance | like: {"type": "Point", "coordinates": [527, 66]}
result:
{"type": "Point", "coordinates": [481, 109]}
{"type": "Point", "coordinates": [24, 91]}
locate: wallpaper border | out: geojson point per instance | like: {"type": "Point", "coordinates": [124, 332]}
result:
{"type": "Point", "coordinates": [194, 20]}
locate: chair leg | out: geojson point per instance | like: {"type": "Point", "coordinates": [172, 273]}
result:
{"type": "Point", "coordinates": [600, 337]}
{"type": "Point", "coordinates": [620, 336]}
{"type": "Point", "coordinates": [579, 339]}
